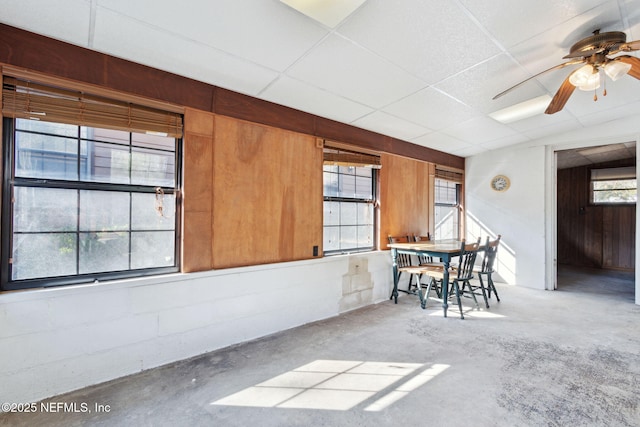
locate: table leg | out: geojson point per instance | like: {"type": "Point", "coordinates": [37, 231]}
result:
{"type": "Point", "coordinates": [445, 286]}
{"type": "Point", "coordinates": [394, 258]}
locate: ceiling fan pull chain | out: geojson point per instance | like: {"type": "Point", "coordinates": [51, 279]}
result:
{"type": "Point", "coordinates": [604, 92]}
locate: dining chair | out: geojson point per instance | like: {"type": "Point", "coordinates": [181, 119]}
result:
{"type": "Point", "coordinates": [460, 275]}
{"type": "Point", "coordinates": [425, 259]}
{"type": "Point", "coordinates": [405, 264]}
{"type": "Point", "coordinates": [486, 269]}
{"type": "Point", "coordinates": [403, 261]}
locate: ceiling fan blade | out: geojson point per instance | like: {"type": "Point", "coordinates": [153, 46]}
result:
{"type": "Point", "coordinates": [628, 47]}
{"type": "Point", "coordinates": [634, 62]}
{"type": "Point", "coordinates": [583, 53]}
{"type": "Point", "coordinates": [557, 67]}
{"type": "Point", "coordinates": [561, 97]}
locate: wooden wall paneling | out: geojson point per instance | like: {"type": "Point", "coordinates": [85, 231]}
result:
{"type": "Point", "coordinates": [267, 204]}
{"type": "Point", "coordinates": [600, 236]}
{"type": "Point", "coordinates": [618, 237]}
{"type": "Point", "coordinates": [234, 104]}
{"type": "Point", "coordinates": [25, 49]}
{"type": "Point", "coordinates": [404, 197]}
{"type": "Point", "coordinates": [198, 191]}
{"type": "Point", "coordinates": [39, 53]}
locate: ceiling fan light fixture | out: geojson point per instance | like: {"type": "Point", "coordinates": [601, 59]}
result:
{"type": "Point", "coordinates": [616, 69]}
{"type": "Point", "coordinates": [592, 83]}
{"type": "Point", "coordinates": [581, 76]}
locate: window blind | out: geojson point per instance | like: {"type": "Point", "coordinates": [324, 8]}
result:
{"type": "Point", "coordinates": [449, 175]}
{"type": "Point", "coordinates": [30, 100]}
{"type": "Point", "coordinates": [613, 173]}
{"type": "Point", "coordinates": [341, 157]}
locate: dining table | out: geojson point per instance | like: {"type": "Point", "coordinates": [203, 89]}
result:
{"type": "Point", "coordinates": [446, 250]}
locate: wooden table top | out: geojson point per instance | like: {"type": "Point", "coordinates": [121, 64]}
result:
{"type": "Point", "coordinates": [444, 246]}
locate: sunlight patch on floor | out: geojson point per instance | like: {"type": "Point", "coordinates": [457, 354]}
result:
{"type": "Point", "coordinates": [336, 385]}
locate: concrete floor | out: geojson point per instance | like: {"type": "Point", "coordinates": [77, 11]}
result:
{"type": "Point", "coordinates": [538, 358]}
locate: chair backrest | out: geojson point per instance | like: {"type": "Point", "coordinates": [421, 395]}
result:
{"type": "Point", "coordinates": [422, 238]}
{"type": "Point", "coordinates": [403, 260]}
{"type": "Point", "coordinates": [423, 259]}
{"type": "Point", "coordinates": [468, 253]}
{"type": "Point", "coordinates": [399, 239]}
{"type": "Point", "coordinates": [490, 251]}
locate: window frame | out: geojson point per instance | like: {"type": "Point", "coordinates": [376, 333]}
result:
{"type": "Point", "coordinates": [611, 175]}
{"type": "Point", "coordinates": [456, 205]}
{"type": "Point", "coordinates": [373, 201]}
{"type": "Point", "coordinates": [11, 182]}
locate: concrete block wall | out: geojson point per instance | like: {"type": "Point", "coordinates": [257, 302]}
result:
{"type": "Point", "coordinates": [56, 340]}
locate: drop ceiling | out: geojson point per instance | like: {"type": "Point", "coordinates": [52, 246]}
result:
{"type": "Point", "coordinates": [424, 71]}
{"type": "Point", "coordinates": [594, 155]}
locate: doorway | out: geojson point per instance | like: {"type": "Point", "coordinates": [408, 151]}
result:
{"type": "Point", "coordinates": [595, 241]}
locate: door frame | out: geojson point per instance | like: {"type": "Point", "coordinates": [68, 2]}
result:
{"type": "Point", "coordinates": [551, 211]}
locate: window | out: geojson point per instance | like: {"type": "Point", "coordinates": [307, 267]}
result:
{"type": "Point", "coordinates": [349, 201]}
{"type": "Point", "coordinates": [614, 186]}
{"type": "Point", "coordinates": [85, 203]}
{"type": "Point", "coordinates": [447, 210]}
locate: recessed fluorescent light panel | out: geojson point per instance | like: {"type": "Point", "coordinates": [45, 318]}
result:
{"type": "Point", "coordinates": [327, 12]}
{"type": "Point", "coordinates": [522, 110]}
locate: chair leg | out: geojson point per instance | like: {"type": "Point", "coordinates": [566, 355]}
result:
{"type": "Point", "coordinates": [410, 282]}
{"type": "Point", "coordinates": [423, 298]}
{"type": "Point", "coordinates": [466, 283]}
{"type": "Point", "coordinates": [438, 288]}
{"type": "Point", "coordinates": [484, 293]}
{"type": "Point", "coordinates": [457, 289]}
{"type": "Point", "coordinates": [492, 286]}
{"type": "Point", "coordinates": [426, 295]}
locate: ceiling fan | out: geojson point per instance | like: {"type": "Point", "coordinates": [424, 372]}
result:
{"type": "Point", "coordinates": [594, 52]}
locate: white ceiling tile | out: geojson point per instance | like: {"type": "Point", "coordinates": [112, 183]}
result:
{"type": "Point", "coordinates": [547, 49]}
{"type": "Point", "coordinates": [66, 20]}
{"type": "Point", "coordinates": [469, 151]}
{"type": "Point", "coordinates": [513, 23]}
{"type": "Point", "coordinates": [541, 120]}
{"type": "Point", "coordinates": [479, 130]}
{"type": "Point", "coordinates": [340, 66]}
{"type": "Point", "coordinates": [266, 32]}
{"type": "Point", "coordinates": [128, 39]}
{"type": "Point", "coordinates": [477, 86]}
{"type": "Point", "coordinates": [505, 142]}
{"type": "Point", "coordinates": [440, 141]}
{"type": "Point", "coordinates": [604, 116]}
{"type": "Point", "coordinates": [552, 129]}
{"type": "Point", "coordinates": [447, 44]}
{"type": "Point", "coordinates": [432, 109]}
{"type": "Point", "coordinates": [292, 93]}
{"type": "Point", "coordinates": [387, 124]}
{"type": "Point", "coordinates": [408, 69]}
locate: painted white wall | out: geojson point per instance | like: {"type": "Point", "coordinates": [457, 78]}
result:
{"type": "Point", "coordinates": [56, 340]}
{"type": "Point", "coordinates": [516, 214]}
{"type": "Point", "coordinates": [525, 215]}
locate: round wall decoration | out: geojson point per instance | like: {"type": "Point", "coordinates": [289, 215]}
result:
{"type": "Point", "coordinates": [500, 183]}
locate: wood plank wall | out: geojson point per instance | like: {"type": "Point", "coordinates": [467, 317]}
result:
{"type": "Point", "coordinates": [267, 202]}
{"type": "Point", "coordinates": [197, 194]}
{"type": "Point", "coordinates": [406, 197]}
{"type": "Point", "coordinates": [252, 188]}
{"type": "Point", "coordinates": [600, 236]}
{"type": "Point", "coordinates": [38, 53]}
